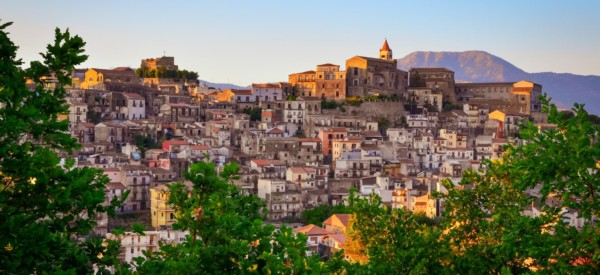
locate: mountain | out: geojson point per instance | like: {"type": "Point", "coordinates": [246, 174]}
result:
{"type": "Point", "coordinates": [223, 86]}
{"type": "Point", "coordinates": [479, 66]}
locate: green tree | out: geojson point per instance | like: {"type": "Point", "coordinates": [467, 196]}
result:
{"type": "Point", "coordinates": [254, 113]}
{"type": "Point", "coordinates": [320, 213]}
{"type": "Point", "coordinates": [393, 241]}
{"type": "Point", "coordinates": [45, 204]}
{"type": "Point", "coordinates": [144, 143]}
{"type": "Point", "coordinates": [484, 228]}
{"type": "Point", "coordinates": [227, 234]}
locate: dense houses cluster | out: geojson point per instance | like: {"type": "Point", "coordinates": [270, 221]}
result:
{"type": "Point", "coordinates": [294, 153]}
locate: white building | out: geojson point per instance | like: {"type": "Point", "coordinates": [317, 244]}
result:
{"type": "Point", "coordinates": [133, 245]}
{"type": "Point", "coordinates": [77, 113]}
{"type": "Point", "coordinates": [268, 91]}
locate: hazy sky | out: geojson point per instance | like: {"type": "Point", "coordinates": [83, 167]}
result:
{"type": "Point", "coordinates": [249, 41]}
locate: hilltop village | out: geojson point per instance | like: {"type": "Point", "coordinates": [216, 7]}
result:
{"type": "Point", "coordinates": [299, 144]}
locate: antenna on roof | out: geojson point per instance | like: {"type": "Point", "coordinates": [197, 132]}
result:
{"type": "Point", "coordinates": [164, 53]}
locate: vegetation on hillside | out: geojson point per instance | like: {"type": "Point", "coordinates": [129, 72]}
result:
{"type": "Point", "coordinates": [46, 202]}
{"type": "Point", "coordinates": [164, 73]}
{"type": "Point", "coordinates": [48, 206]}
{"type": "Point", "coordinates": [227, 233]}
{"type": "Point", "coordinates": [484, 229]}
{"type": "Point", "coordinates": [254, 113]}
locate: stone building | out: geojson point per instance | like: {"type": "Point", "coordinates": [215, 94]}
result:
{"type": "Point", "coordinates": [304, 83]}
{"type": "Point", "coordinates": [330, 82]}
{"type": "Point", "coordinates": [128, 106]}
{"type": "Point", "coordinates": [95, 78]}
{"type": "Point", "coordinates": [179, 112]}
{"type": "Point", "coordinates": [165, 62]}
{"type": "Point", "coordinates": [137, 179]}
{"type": "Point", "coordinates": [77, 113]}
{"type": "Point", "coordinates": [522, 96]}
{"type": "Point", "coordinates": [375, 76]}
{"type": "Point", "coordinates": [327, 82]}
{"type": "Point", "coordinates": [295, 110]}
{"type": "Point", "coordinates": [439, 80]}
{"type": "Point", "coordinates": [268, 92]}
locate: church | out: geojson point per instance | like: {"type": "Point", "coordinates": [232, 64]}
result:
{"type": "Point", "coordinates": [375, 76]}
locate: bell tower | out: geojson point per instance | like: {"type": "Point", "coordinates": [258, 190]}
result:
{"type": "Point", "coordinates": [385, 52]}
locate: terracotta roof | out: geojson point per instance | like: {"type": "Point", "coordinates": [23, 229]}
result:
{"type": "Point", "coordinates": [385, 46]}
{"type": "Point", "coordinates": [134, 96]}
{"type": "Point", "coordinates": [326, 64]}
{"type": "Point", "coordinates": [303, 169]}
{"type": "Point", "coordinates": [200, 147]}
{"type": "Point", "coordinates": [261, 162]}
{"type": "Point", "coordinates": [265, 85]}
{"type": "Point", "coordinates": [307, 72]}
{"type": "Point", "coordinates": [242, 92]}
{"type": "Point", "coordinates": [112, 169]}
{"type": "Point", "coordinates": [311, 230]}
{"type": "Point", "coordinates": [340, 238]}
{"type": "Point", "coordinates": [275, 131]}
{"type": "Point", "coordinates": [343, 218]}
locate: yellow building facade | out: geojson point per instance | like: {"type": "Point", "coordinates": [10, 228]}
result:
{"type": "Point", "coordinates": [161, 211]}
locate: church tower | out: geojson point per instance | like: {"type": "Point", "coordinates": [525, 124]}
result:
{"type": "Point", "coordinates": [385, 52]}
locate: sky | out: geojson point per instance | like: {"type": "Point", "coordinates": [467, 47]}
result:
{"type": "Point", "coordinates": [254, 41]}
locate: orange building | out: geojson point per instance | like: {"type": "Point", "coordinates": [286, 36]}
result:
{"type": "Point", "coordinates": [327, 136]}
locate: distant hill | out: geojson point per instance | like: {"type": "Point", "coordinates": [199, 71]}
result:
{"type": "Point", "coordinates": [223, 86]}
{"type": "Point", "coordinates": [479, 66]}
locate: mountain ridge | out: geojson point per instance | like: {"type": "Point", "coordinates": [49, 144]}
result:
{"type": "Point", "coordinates": [481, 66]}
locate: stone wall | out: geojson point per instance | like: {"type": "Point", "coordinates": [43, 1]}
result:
{"type": "Point", "coordinates": [393, 111]}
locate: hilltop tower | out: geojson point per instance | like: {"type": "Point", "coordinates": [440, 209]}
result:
{"type": "Point", "coordinates": [385, 52]}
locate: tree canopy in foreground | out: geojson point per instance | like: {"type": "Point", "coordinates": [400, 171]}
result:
{"type": "Point", "coordinates": [46, 203]}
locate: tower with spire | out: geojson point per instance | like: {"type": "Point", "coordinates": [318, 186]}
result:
{"type": "Point", "coordinates": [385, 52]}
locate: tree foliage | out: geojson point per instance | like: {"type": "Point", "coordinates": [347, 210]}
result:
{"type": "Point", "coordinates": [320, 213]}
{"type": "Point", "coordinates": [254, 113]}
{"type": "Point", "coordinates": [45, 202]}
{"type": "Point", "coordinates": [161, 72]}
{"type": "Point", "coordinates": [227, 234]}
{"type": "Point", "coordinates": [485, 229]}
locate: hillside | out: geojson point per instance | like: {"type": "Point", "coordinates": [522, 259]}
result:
{"type": "Point", "coordinates": [478, 66]}
{"type": "Point", "coordinates": [223, 86]}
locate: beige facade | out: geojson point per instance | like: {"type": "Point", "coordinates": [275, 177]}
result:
{"type": "Point", "coordinates": [375, 76]}
{"type": "Point", "coordinates": [166, 62]}
{"type": "Point", "coordinates": [304, 83]}
{"type": "Point", "coordinates": [330, 82]}
{"type": "Point", "coordinates": [437, 79]}
{"type": "Point", "coordinates": [95, 78]}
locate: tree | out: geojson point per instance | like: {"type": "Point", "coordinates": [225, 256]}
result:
{"type": "Point", "coordinates": [45, 202]}
{"type": "Point", "coordinates": [484, 229]}
{"type": "Point", "coordinates": [392, 241]}
{"type": "Point", "coordinates": [144, 143]}
{"type": "Point", "coordinates": [254, 113]}
{"type": "Point", "coordinates": [320, 213]}
{"type": "Point", "coordinates": [227, 234]}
